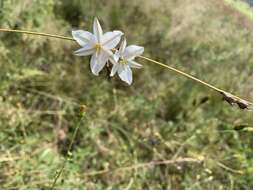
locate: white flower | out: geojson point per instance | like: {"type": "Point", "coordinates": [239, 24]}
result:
{"type": "Point", "coordinates": [123, 60]}
{"type": "Point", "coordinates": [98, 45]}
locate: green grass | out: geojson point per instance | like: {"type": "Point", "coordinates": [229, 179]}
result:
{"type": "Point", "coordinates": [128, 131]}
{"type": "Point", "coordinates": [242, 7]}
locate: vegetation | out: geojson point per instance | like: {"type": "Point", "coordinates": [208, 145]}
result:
{"type": "Point", "coordinates": [162, 132]}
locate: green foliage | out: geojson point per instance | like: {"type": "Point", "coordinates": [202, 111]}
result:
{"type": "Point", "coordinates": [162, 116]}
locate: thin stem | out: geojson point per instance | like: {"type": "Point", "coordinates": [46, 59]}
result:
{"type": "Point", "coordinates": [147, 165]}
{"type": "Point", "coordinates": [227, 95]}
{"type": "Point", "coordinates": [37, 34]}
{"type": "Point", "coordinates": [68, 152]}
{"type": "Point", "coordinates": [183, 73]}
{"type": "Point", "coordinates": [223, 92]}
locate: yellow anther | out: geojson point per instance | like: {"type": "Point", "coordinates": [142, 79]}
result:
{"type": "Point", "coordinates": [98, 47]}
{"type": "Point", "coordinates": [122, 61]}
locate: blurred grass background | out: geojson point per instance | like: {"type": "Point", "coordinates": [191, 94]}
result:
{"type": "Point", "coordinates": [162, 116]}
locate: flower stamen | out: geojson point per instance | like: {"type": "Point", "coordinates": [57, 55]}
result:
{"type": "Point", "coordinates": [122, 61]}
{"type": "Point", "coordinates": [98, 47]}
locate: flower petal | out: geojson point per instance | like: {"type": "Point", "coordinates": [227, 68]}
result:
{"type": "Point", "coordinates": [111, 39]}
{"type": "Point", "coordinates": [134, 64]}
{"type": "Point", "coordinates": [113, 60]}
{"type": "Point", "coordinates": [86, 50]}
{"type": "Point", "coordinates": [98, 62]}
{"type": "Point", "coordinates": [83, 37]}
{"type": "Point", "coordinates": [133, 51]}
{"type": "Point", "coordinates": [97, 30]}
{"type": "Point", "coordinates": [122, 46]}
{"type": "Point", "coordinates": [115, 68]}
{"type": "Point", "coordinates": [109, 52]}
{"type": "Point", "coordinates": [125, 73]}
{"type": "Point", "coordinates": [116, 56]}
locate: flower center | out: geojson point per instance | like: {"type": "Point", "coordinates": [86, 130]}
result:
{"type": "Point", "coordinates": [122, 61]}
{"type": "Point", "coordinates": [98, 47]}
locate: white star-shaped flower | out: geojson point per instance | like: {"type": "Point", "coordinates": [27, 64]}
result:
{"type": "Point", "coordinates": [123, 60]}
{"type": "Point", "coordinates": [98, 44]}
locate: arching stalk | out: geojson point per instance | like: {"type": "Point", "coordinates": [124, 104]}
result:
{"type": "Point", "coordinates": [230, 98]}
